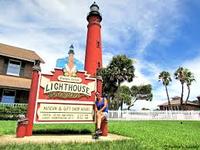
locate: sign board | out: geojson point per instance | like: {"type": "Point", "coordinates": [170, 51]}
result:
{"type": "Point", "coordinates": [65, 99]}
{"type": "Point", "coordinates": [58, 112]}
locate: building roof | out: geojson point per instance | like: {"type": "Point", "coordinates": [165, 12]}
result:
{"type": "Point", "coordinates": [19, 53]}
{"type": "Point", "coordinates": [176, 98]}
{"type": "Point", "coordinates": [177, 102]}
{"type": "Point", "coordinates": [15, 82]}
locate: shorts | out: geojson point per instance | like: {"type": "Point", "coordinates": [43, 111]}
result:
{"type": "Point", "coordinates": [105, 114]}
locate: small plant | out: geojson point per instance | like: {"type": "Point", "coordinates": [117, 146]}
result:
{"type": "Point", "coordinates": [11, 111]}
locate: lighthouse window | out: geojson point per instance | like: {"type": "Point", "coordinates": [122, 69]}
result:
{"type": "Point", "coordinates": [98, 44]}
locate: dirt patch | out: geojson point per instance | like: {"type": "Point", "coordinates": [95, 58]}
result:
{"type": "Point", "coordinates": [58, 139]}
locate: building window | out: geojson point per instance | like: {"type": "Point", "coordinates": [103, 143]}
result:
{"type": "Point", "coordinates": [98, 44]}
{"type": "Point", "coordinates": [99, 65]}
{"type": "Point", "coordinates": [8, 96]}
{"type": "Point", "coordinates": [13, 67]}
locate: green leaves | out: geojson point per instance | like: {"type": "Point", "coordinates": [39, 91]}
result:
{"type": "Point", "coordinates": [11, 111]}
{"type": "Point", "coordinates": [130, 96]}
{"type": "Point", "coordinates": [180, 74]}
{"type": "Point", "coordinates": [184, 75]}
{"type": "Point", "coordinates": [120, 69]}
{"type": "Point", "coordinates": [123, 95]}
{"type": "Point", "coordinates": [165, 77]}
{"type": "Point", "coordinates": [142, 92]}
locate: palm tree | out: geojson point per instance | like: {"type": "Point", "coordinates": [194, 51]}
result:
{"type": "Point", "coordinates": [180, 75]}
{"type": "Point", "coordinates": [122, 69]}
{"type": "Point", "coordinates": [165, 77]}
{"type": "Point", "coordinates": [189, 78]}
{"type": "Point", "coordinates": [119, 70]}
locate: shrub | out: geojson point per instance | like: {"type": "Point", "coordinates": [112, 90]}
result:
{"type": "Point", "coordinates": [11, 111]}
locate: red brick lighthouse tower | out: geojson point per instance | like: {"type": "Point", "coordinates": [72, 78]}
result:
{"type": "Point", "coordinates": [93, 57]}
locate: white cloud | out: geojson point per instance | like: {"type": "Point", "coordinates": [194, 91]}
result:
{"type": "Point", "coordinates": [175, 86]}
{"type": "Point", "coordinates": [140, 78]}
{"type": "Point", "coordinates": [143, 79]}
{"type": "Point", "coordinates": [193, 66]}
{"type": "Point", "coordinates": [107, 57]}
{"type": "Point", "coordinates": [50, 27]}
{"type": "Point", "coordinates": [141, 21]}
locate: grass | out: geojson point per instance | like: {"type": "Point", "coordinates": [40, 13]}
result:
{"type": "Point", "coordinates": [145, 135]}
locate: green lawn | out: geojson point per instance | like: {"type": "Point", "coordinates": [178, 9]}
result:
{"type": "Point", "coordinates": [145, 135]}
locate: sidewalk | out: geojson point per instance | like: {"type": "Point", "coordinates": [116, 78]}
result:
{"type": "Point", "coordinates": [58, 139]}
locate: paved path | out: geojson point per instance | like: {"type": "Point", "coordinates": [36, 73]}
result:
{"type": "Point", "coordinates": [58, 138]}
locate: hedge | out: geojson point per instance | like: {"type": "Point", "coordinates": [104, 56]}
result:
{"type": "Point", "coordinates": [11, 111]}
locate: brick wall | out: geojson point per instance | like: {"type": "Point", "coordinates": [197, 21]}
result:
{"type": "Point", "coordinates": [28, 69]}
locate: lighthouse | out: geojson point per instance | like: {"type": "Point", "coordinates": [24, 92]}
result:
{"type": "Point", "coordinates": [93, 56]}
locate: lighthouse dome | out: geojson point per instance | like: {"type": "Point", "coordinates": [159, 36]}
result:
{"type": "Point", "coordinates": [94, 7]}
{"type": "Point", "coordinates": [94, 11]}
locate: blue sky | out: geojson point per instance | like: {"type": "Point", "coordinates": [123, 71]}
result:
{"type": "Point", "coordinates": [158, 35]}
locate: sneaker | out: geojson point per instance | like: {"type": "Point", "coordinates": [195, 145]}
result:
{"type": "Point", "coordinates": [98, 131]}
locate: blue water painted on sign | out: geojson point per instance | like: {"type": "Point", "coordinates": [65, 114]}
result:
{"type": "Point", "coordinates": [60, 63]}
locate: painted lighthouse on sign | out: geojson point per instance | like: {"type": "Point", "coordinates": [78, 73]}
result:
{"type": "Point", "coordinates": [63, 62]}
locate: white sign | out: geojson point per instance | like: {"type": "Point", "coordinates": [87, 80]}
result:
{"type": "Point", "coordinates": [70, 79]}
{"type": "Point", "coordinates": [54, 86]}
{"type": "Point", "coordinates": [68, 112]}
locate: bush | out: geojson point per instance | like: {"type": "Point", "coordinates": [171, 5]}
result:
{"type": "Point", "coordinates": [11, 111]}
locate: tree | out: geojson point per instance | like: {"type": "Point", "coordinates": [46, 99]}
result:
{"type": "Point", "coordinates": [123, 95]}
{"type": "Point", "coordinates": [142, 92]}
{"type": "Point", "coordinates": [185, 76]}
{"type": "Point", "coordinates": [180, 75]}
{"type": "Point", "coordinates": [164, 76]}
{"type": "Point", "coordinates": [189, 78]}
{"type": "Point", "coordinates": [109, 88]}
{"type": "Point", "coordinates": [120, 69]}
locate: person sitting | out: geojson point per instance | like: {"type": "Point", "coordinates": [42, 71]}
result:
{"type": "Point", "coordinates": [101, 108]}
